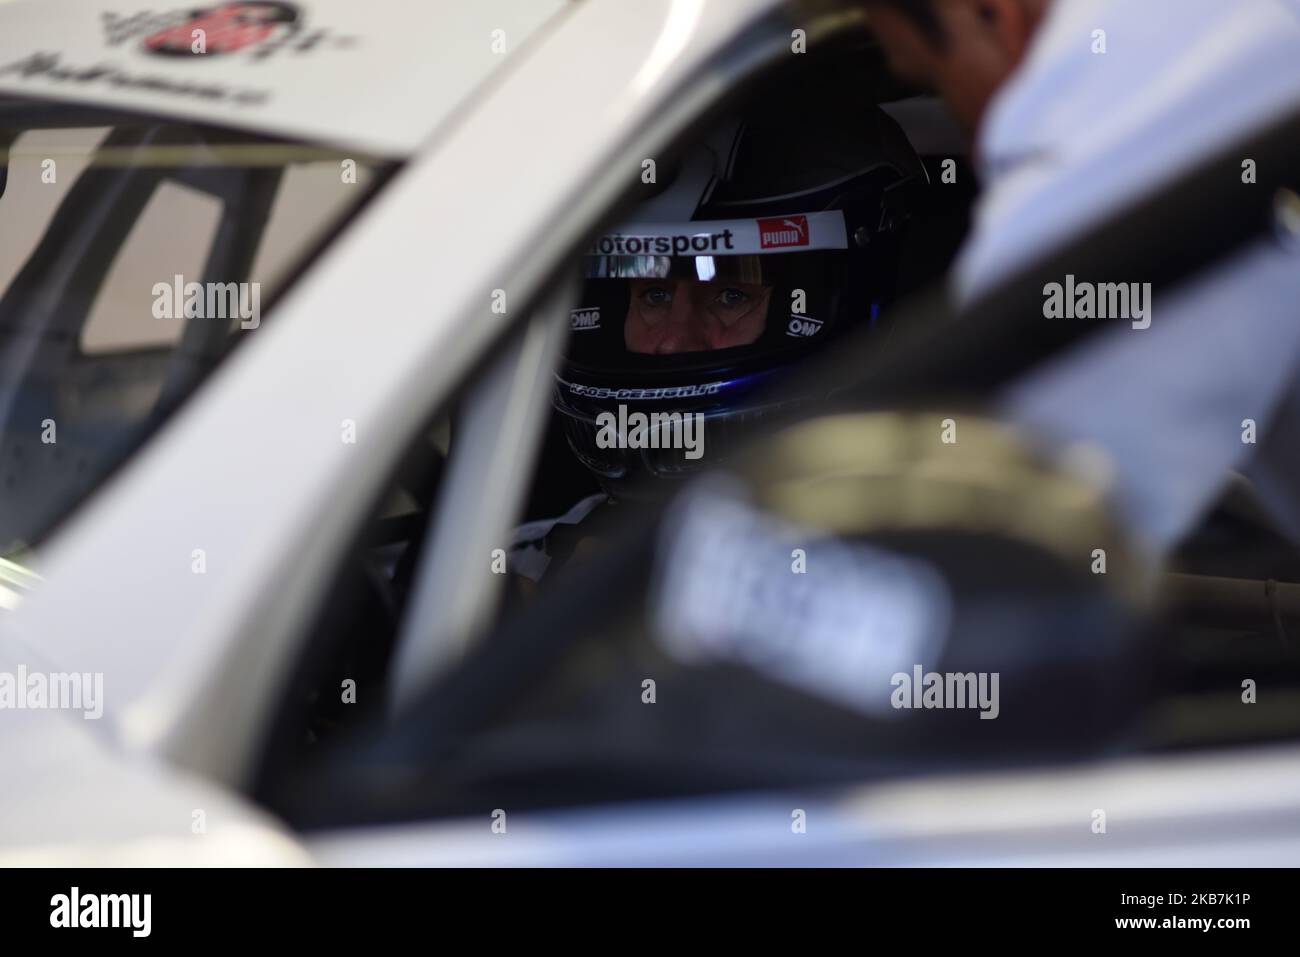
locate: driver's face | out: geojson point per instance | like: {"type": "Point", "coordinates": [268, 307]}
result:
{"type": "Point", "coordinates": [667, 316]}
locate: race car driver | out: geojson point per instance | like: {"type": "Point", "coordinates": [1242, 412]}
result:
{"type": "Point", "coordinates": [775, 235]}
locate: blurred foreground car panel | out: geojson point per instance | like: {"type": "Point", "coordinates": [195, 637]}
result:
{"type": "Point", "coordinates": [1163, 812]}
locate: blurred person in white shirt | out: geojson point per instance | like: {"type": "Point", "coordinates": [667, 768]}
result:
{"type": "Point", "coordinates": [1074, 110]}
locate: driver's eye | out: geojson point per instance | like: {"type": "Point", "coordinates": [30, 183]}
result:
{"type": "Point", "coordinates": [657, 296]}
{"type": "Point", "coordinates": [732, 297]}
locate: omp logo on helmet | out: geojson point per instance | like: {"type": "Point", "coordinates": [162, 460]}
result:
{"type": "Point", "coordinates": [801, 327]}
{"type": "Point", "coordinates": [782, 232]}
{"type": "Point", "coordinates": [583, 319]}
{"type": "Point", "coordinates": [226, 28]}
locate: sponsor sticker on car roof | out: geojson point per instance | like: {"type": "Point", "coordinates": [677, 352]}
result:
{"type": "Point", "coordinates": [380, 75]}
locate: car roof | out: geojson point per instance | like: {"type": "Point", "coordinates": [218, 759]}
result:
{"type": "Point", "coordinates": [380, 76]}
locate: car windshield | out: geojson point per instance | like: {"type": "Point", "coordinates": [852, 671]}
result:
{"type": "Point", "coordinates": [136, 253]}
